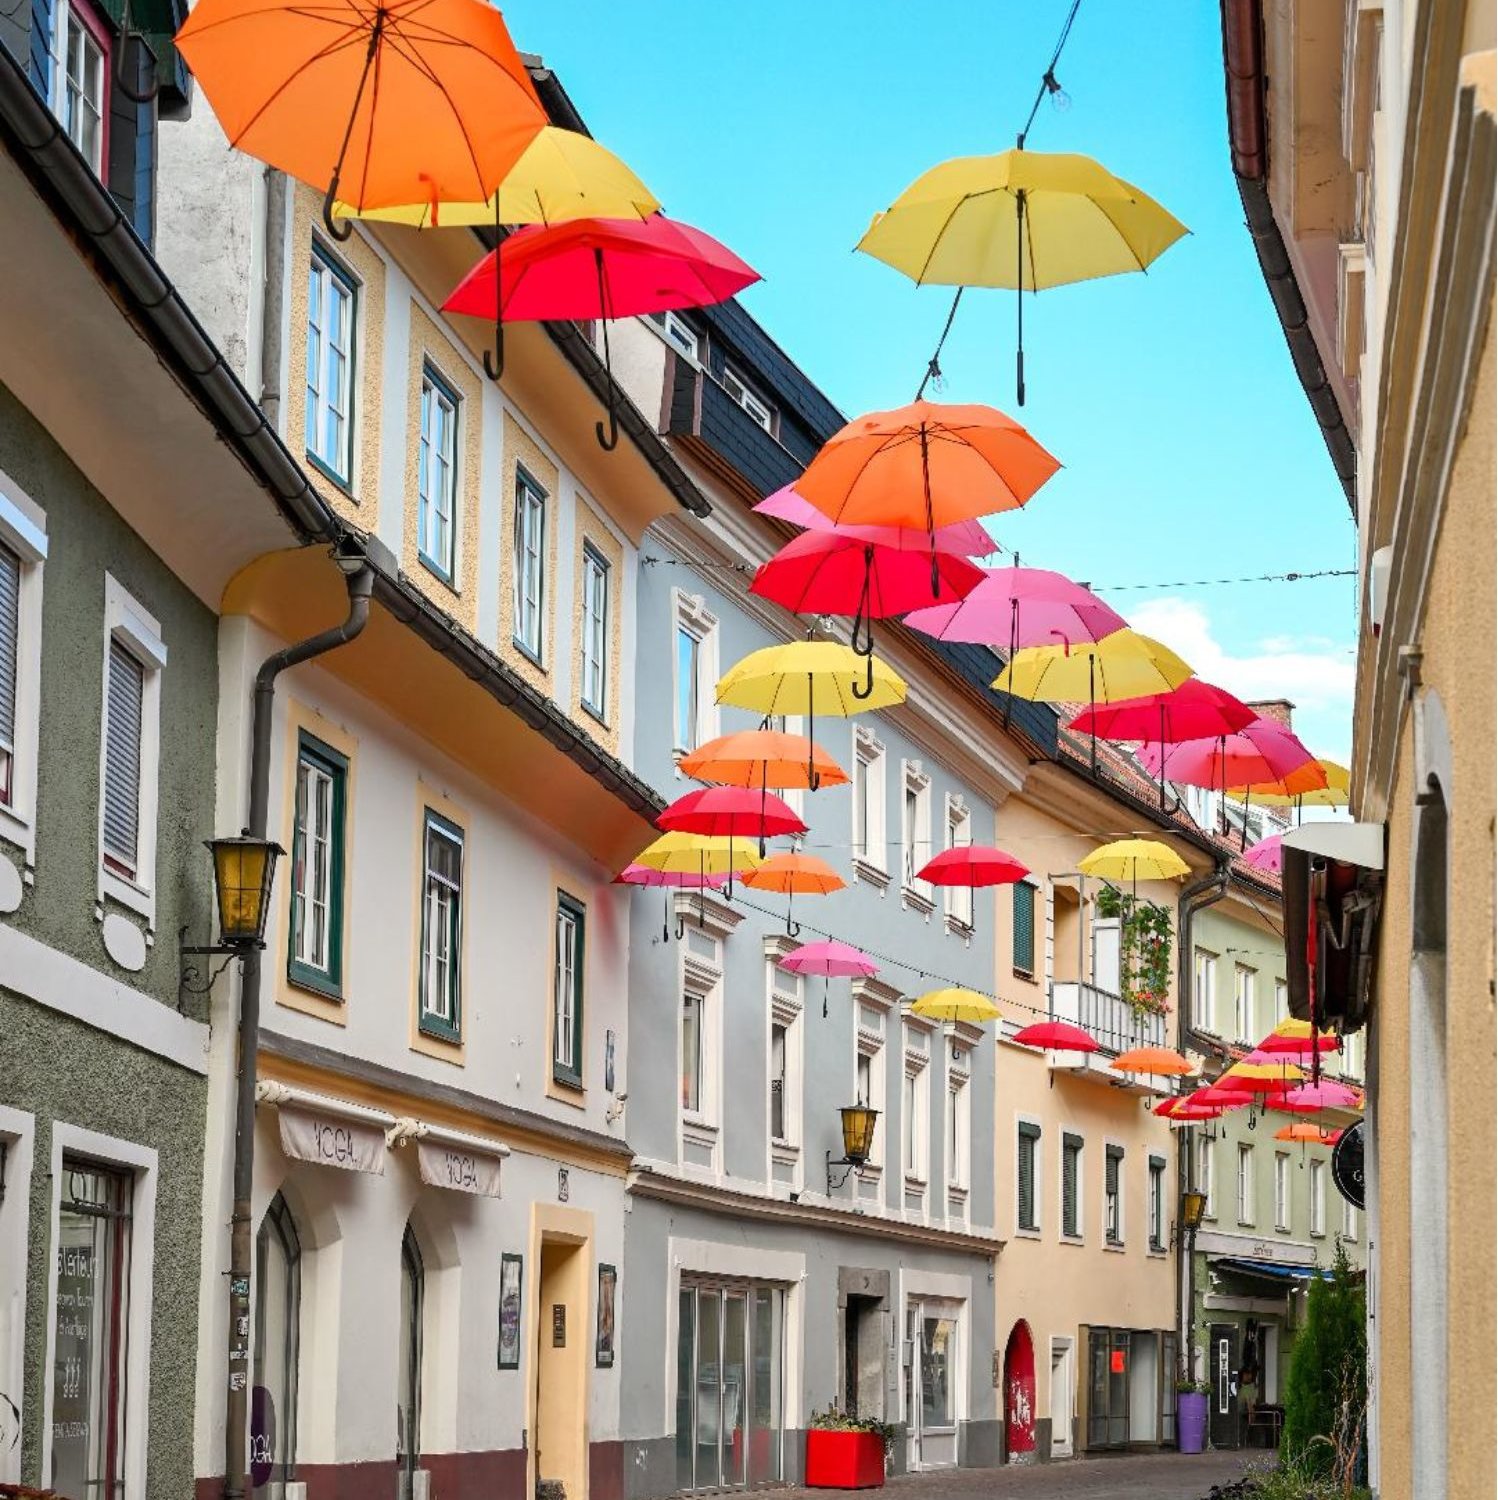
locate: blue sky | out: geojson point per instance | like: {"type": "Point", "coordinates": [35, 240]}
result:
{"type": "Point", "coordinates": [1188, 446]}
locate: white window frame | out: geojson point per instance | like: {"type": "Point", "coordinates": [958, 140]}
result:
{"type": "Point", "coordinates": [529, 499]}
{"type": "Point", "coordinates": [870, 851]}
{"type": "Point", "coordinates": [957, 1123]}
{"type": "Point", "coordinates": [1281, 1001]}
{"type": "Point", "coordinates": [444, 827]}
{"type": "Point", "coordinates": [597, 586]}
{"type": "Point", "coordinates": [329, 269]}
{"type": "Point", "coordinates": [915, 1131]}
{"type": "Point", "coordinates": [1247, 1184]}
{"type": "Point", "coordinates": [1349, 1221]}
{"type": "Point", "coordinates": [127, 621]}
{"type": "Point", "coordinates": [915, 835]}
{"type": "Point", "coordinates": [1037, 1177]}
{"type": "Point", "coordinates": [18, 1137]}
{"type": "Point", "coordinates": [690, 614]}
{"type": "Point", "coordinates": [1117, 1241]}
{"type": "Point", "coordinates": [761, 413]}
{"type": "Point", "coordinates": [702, 977]}
{"type": "Point", "coordinates": [565, 1019]}
{"type": "Point", "coordinates": [1204, 1174]}
{"type": "Point", "coordinates": [785, 1007]}
{"type": "Point", "coordinates": [1282, 1191]}
{"type": "Point", "coordinates": [959, 898]}
{"type": "Point", "coordinates": [1155, 1167]}
{"type": "Point", "coordinates": [1318, 1198]}
{"type": "Point", "coordinates": [23, 528]}
{"type": "Point", "coordinates": [1245, 989]}
{"type": "Point", "coordinates": [794, 797]}
{"type": "Point", "coordinates": [438, 554]}
{"type": "Point", "coordinates": [62, 18]}
{"type": "Point", "coordinates": [874, 1003]}
{"type": "Point", "coordinates": [681, 337]}
{"type": "Point", "coordinates": [1205, 966]}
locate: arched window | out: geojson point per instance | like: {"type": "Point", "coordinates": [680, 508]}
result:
{"type": "Point", "coordinates": [278, 1296]}
{"type": "Point", "coordinates": [412, 1290]}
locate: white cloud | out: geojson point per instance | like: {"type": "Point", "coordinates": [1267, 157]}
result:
{"type": "Point", "coordinates": [1314, 673]}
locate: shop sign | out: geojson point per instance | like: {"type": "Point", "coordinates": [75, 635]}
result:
{"type": "Point", "coordinates": [458, 1168]}
{"type": "Point", "coordinates": [1347, 1164]}
{"type": "Point", "coordinates": [350, 1144]}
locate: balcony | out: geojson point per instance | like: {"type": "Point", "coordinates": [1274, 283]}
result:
{"type": "Point", "coordinates": [1113, 1023]}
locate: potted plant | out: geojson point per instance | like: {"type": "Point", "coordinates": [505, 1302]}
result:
{"type": "Point", "coordinates": [845, 1452]}
{"type": "Point", "coordinates": [1191, 1415]}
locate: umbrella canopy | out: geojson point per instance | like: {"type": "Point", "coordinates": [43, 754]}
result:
{"type": "Point", "coordinates": [1061, 1035]}
{"type": "Point", "coordinates": [1252, 1078]}
{"type": "Point", "coordinates": [561, 175]}
{"type": "Point", "coordinates": [1134, 860]}
{"type": "Point", "coordinates": [807, 677]}
{"type": "Point", "coordinates": [1025, 220]}
{"type": "Point", "coordinates": [729, 812]}
{"type": "Point", "coordinates": [1297, 1039]}
{"type": "Point", "coordinates": [965, 538]}
{"type": "Point", "coordinates": [1265, 855]}
{"type": "Point", "coordinates": [1184, 1109]}
{"type": "Point", "coordinates": [831, 573]}
{"type": "Point", "coordinates": [1260, 751]}
{"type": "Point", "coordinates": [1212, 1097]}
{"type": "Point", "coordinates": [1296, 788]}
{"type": "Point", "coordinates": [955, 1005]}
{"type": "Point", "coordinates": [763, 758]}
{"type": "Point", "coordinates": [588, 269]}
{"type": "Point", "coordinates": [1309, 1098]}
{"type": "Point", "coordinates": [972, 865]}
{"type": "Point", "coordinates": [795, 875]}
{"type": "Point", "coordinates": [831, 959]}
{"type": "Point", "coordinates": [1303, 1130]}
{"type": "Point", "coordinates": [690, 880]}
{"type": "Point", "coordinates": [385, 104]}
{"type": "Point", "coordinates": [1017, 607]}
{"type": "Point", "coordinates": [1161, 1062]}
{"type": "Point", "coordinates": [1193, 710]}
{"type": "Point", "coordinates": [1122, 665]}
{"type": "Point", "coordinates": [696, 853]}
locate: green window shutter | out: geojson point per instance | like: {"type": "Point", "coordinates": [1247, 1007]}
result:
{"type": "Point", "coordinates": [1114, 1157]}
{"type": "Point", "coordinates": [1028, 1146]}
{"type": "Point", "coordinates": [1024, 927]}
{"type": "Point", "coordinates": [1071, 1150]}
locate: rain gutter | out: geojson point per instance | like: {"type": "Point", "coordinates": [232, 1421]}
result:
{"type": "Point", "coordinates": [1248, 139]}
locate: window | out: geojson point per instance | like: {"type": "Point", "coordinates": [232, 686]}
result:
{"type": "Point", "coordinates": [10, 661]}
{"type": "Point", "coordinates": [915, 1108]}
{"type": "Point", "coordinates": [785, 1062]}
{"type": "Point", "coordinates": [442, 929]}
{"type": "Point", "coordinates": [530, 564]}
{"type": "Point", "coordinates": [915, 828]}
{"type": "Point", "coordinates": [868, 800]}
{"type": "Point", "coordinates": [778, 1049]}
{"type": "Point", "coordinates": [437, 476]}
{"type": "Point", "coordinates": [1156, 1203]}
{"type": "Point", "coordinates": [23, 553]}
{"type": "Point", "coordinates": [1281, 1190]}
{"type": "Point", "coordinates": [317, 853]}
{"type": "Point", "coordinates": [1349, 1221]}
{"type": "Point", "coordinates": [699, 1044]}
{"type": "Point", "coordinates": [1206, 990]}
{"type": "Point", "coordinates": [1245, 1184]}
{"type": "Point", "coordinates": [122, 760]}
{"type": "Point", "coordinates": [1024, 928]}
{"type": "Point", "coordinates": [761, 412]}
{"type": "Point", "coordinates": [680, 333]}
{"type": "Point", "coordinates": [330, 358]}
{"type": "Point", "coordinates": [91, 1318]}
{"type": "Point", "coordinates": [694, 664]}
{"type": "Point", "coordinates": [1243, 1009]}
{"type": "Point", "coordinates": [691, 1052]}
{"type": "Point", "coordinates": [278, 1296]}
{"type": "Point", "coordinates": [567, 993]}
{"type": "Point", "coordinates": [869, 1074]}
{"type": "Point", "coordinates": [1281, 1001]}
{"type": "Point", "coordinates": [84, 80]}
{"type": "Point", "coordinates": [959, 836]}
{"type": "Point", "coordinates": [1027, 1164]}
{"type": "Point", "coordinates": [595, 685]}
{"type": "Point", "coordinates": [958, 1126]}
{"type": "Point", "coordinates": [1113, 1194]}
{"type": "Point", "coordinates": [1318, 1198]}
{"type": "Point", "coordinates": [1205, 1175]}
{"type": "Point", "coordinates": [1071, 1172]}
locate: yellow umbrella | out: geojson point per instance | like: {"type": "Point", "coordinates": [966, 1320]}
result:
{"type": "Point", "coordinates": [1333, 794]}
{"type": "Point", "coordinates": [1122, 665]}
{"type": "Point", "coordinates": [955, 1005]}
{"type": "Point", "coordinates": [1134, 860]}
{"type": "Point", "coordinates": [1024, 220]}
{"type": "Point", "coordinates": [561, 175]}
{"type": "Point", "coordinates": [698, 854]}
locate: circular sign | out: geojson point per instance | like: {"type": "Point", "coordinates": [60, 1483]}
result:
{"type": "Point", "coordinates": [1347, 1164]}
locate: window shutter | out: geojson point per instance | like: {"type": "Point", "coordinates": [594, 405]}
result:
{"type": "Point", "coordinates": [1115, 1155]}
{"type": "Point", "coordinates": [1024, 927]}
{"type": "Point", "coordinates": [1028, 1136]}
{"type": "Point", "coordinates": [10, 623]}
{"type": "Point", "coordinates": [127, 683]}
{"type": "Point", "coordinates": [1070, 1147]}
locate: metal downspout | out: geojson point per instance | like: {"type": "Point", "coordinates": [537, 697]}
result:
{"type": "Point", "coordinates": [241, 1238]}
{"type": "Point", "coordinates": [273, 299]}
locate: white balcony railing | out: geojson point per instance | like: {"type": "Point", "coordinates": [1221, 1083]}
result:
{"type": "Point", "coordinates": [1110, 1019]}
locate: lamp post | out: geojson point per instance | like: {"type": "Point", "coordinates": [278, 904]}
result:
{"type": "Point", "coordinates": [1193, 1211]}
{"type": "Point", "coordinates": [858, 1142]}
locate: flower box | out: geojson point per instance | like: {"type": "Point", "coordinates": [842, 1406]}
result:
{"type": "Point", "coordinates": [844, 1460]}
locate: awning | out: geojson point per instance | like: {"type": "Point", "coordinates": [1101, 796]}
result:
{"type": "Point", "coordinates": [1271, 1271]}
{"type": "Point", "coordinates": [328, 1131]}
{"type": "Point", "coordinates": [451, 1158]}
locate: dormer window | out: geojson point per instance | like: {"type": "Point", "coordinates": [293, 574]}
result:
{"type": "Point", "coordinates": [81, 98]}
{"type": "Point", "coordinates": [762, 413]}
{"type": "Point", "coordinates": [680, 333]}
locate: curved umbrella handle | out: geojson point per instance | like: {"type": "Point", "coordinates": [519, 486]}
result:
{"type": "Point", "coordinates": [608, 438]}
{"type": "Point", "coordinates": [340, 230]}
{"type": "Point", "coordinates": [866, 690]}
{"type": "Point", "coordinates": [123, 84]}
{"type": "Point", "coordinates": [495, 367]}
{"type": "Point", "coordinates": [681, 927]}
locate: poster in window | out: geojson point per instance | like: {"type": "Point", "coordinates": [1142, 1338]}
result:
{"type": "Point", "coordinates": [510, 1270]}
{"type": "Point", "coordinates": [608, 1282]}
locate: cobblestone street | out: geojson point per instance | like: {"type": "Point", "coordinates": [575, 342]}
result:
{"type": "Point", "coordinates": [1145, 1476]}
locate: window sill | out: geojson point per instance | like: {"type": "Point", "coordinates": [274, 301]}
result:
{"type": "Point", "coordinates": [1028, 975]}
{"type": "Point", "coordinates": [915, 1184]}
{"type": "Point", "coordinates": [1282, 1229]}
{"type": "Point", "coordinates": [596, 714]}
{"type": "Point", "coordinates": [917, 901]}
{"type": "Point", "coordinates": [14, 829]}
{"type": "Point", "coordinates": [1318, 1234]}
{"type": "Point", "coordinates": [1156, 1251]}
{"type": "Point", "coordinates": [1027, 1234]}
{"type": "Point", "coordinates": [1245, 1223]}
{"type": "Point", "coordinates": [958, 928]}
{"type": "Point", "coordinates": [869, 873]}
{"type": "Point", "coordinates": [568, 1080]}
{"type": "Point", "coordinates": [314, 983]}
{"type": "Point", "coordinates": [1116, 1247]}
{"type": "Point", "coordinates": [533, 657]}
{"type": "Point", "coordinates": [444, 576]}
{"type": "Point", "coordinates": [328, 472]}
{"type": "Point", "coordinates": [1071, 1239]}
{"type": "Point", "coordinates": [125, 891]}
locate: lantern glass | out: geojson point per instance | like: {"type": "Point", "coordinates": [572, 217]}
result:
{"type": "Point", "coordinates": [858, 1132]}
{"type": "Point", "coordinates": [244, 870]}
{"type": "Point", "coordinates": [1193, 1209]}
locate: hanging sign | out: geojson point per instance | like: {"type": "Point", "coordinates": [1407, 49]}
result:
{"type": "Point", "coordinates": [458, 1167]}
{"type": "Point", "coordinates": [1347, 1164]}
{"type": "Point", "coordinates": [350, 1144]}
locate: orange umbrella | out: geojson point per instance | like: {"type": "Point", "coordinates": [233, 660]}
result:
{"type": "Point", "coordinates": [1303, 1130]}
{"type": "Point", "coordinates": [1163, 1062]}
{"type": "Point", "coordinates": [401, 101]}
{"type": "Point", "coordinates": [764, 758]}
{"type": "Point", "coordinates": [792, 875]}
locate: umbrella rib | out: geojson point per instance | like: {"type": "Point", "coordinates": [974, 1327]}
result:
{"type": "Point", "coordinates": [424, 68]}
{"type": "Point", "coordinates": [351, 35]}
{"type": "Point", "coordinates": [937, 238]}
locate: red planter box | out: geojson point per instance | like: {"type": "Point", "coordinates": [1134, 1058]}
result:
{"type": "Point", "coordinates": [844, 1460]}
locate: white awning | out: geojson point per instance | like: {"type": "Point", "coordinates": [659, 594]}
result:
{"type": "Point", "coordinates": [1351, 843]}
{"type": "Point", "coordinates": [326, 1130]}
{"type": "Point", "coordinates": [451, 1158]}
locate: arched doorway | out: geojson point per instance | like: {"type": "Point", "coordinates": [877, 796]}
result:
{"type": "Point", "coordinates": [1019, 1395]}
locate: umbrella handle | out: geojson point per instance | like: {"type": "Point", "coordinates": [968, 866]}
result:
{"type": "Point", "coordinates": [865, 691]}
{"type": "Point", "coordinates": [681, 927]}
{"type": "Point", "coordinates": [1019, 299]}
{"type": "Point", "coordinates": [496, 367]}
{"type": "Point", "coordinates": [813, 776]}
{"type": "Point", "coordinates": [339, 230]}
{"type": "Point", "coordinates": [608, 439]}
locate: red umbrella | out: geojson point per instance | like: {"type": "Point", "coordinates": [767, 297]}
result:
{"type": "Point", "coordinates": [973, 864]}
{"type": "Point", "coordinates": [1185, 1107]}
{"type": "Point", "coordinates": [966, 538]}
{"type": "Point", "coordinates": [1059, 1034]}
{"type": "Point", "coordinates": [598, 269]}
{"type": "Point", "coordinates": [1195, 710]}
{"type": "Point", "coordinates": [731, 812]}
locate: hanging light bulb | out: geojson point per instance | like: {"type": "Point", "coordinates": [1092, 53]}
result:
{"type": "Point", "coordinates": [1060, 99]}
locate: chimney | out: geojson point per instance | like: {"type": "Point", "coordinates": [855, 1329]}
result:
{"type": "Point", "coordinates": [1280, 710]}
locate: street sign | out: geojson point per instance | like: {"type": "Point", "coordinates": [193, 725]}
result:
{"type": "Point", "coordinates": [1347, 1164]}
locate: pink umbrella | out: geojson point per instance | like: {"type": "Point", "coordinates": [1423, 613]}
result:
{"type": "Point", "coordinates": [965, 538]}
{"type": "Point", "coordinates": [643, 875]}
{"type": "Point", "coordinates": [1265, 855]}
{"type": "Point", "coordinates": [1311, 1097]}
{"type": "Point", "coordinates": [830, 959]}
{"type": "Point", "coordinates": [1021, 607]}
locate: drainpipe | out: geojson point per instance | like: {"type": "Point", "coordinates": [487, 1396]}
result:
{"type": "Point", "coordinates": [360, 578]}
{"type": "Point", "coordinates": [273, 297]}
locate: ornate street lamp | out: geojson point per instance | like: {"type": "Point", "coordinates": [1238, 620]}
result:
{"type": "Point", "coordinates": [858, 1142]}
{"type": "Point", "coordinates": [1193, 1210]}
{"type": "Point", "coordinates": [244, 873]}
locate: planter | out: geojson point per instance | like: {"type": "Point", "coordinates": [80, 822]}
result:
{"type": "Point", "coordinates": [1191, 1421]}
{"type": "Point", "coordinates": [844, 1460]}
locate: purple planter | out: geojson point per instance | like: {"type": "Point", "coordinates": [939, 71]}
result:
{"type": "Point", "coordinates": [1191, 1421]}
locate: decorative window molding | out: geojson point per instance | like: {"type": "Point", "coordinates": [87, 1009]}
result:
{"type": "Point", "coordinates": [915, 1109]}
{"type": "Point", "coordinates": [23, 536]}
{"type": "Point", "coordinates": [694, 671]}
{"type": "Point", "coordinates": [870, 1082]}
{"type": "Point", "coordinates": [706, 912]}
{"type": "Point", "coordinates": [786, 1056]}
{"type": "Point", "coordinates": [870, 849]}
{"type": "Point", "coordinates": [699, 1042]}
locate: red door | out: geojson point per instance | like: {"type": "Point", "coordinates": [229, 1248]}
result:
{"type": "Point", "coordinates": [1019, 1395]}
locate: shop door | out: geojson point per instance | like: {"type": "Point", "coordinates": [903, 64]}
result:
{"type": "Point", "coordinates": [1108, 1388]}
{"type": "Point", "coordinates": [1222, 1365]}
{"type": "Point", "coordinates": [932, 1376]}
{"type": "Point", "coordinates": [1019, 1395]}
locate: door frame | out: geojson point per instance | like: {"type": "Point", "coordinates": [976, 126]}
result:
{"type": "Point", "coordinates": [919, 1303]}
{"type": "Point", "coordinates": [1065, 1447]}
{"type": "Point", "coordinates": [555, 1224]}
{"type": "Point", "coordinates": [1223, 1381]}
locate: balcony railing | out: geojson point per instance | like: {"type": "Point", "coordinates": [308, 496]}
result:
{"type": "Point", "coordinates": [1109, 1018]}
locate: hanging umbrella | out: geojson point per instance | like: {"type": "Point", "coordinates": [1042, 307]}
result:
{"type": "Point", "coordinates": [830, 959]}
{"type": "Point", "coordinates": [1309, 1098]}
{"type": "Point", "coordinates": [587, 269]}
{"type": "Point", "coordinates": [1265, 855]}
{"type": "Point", "coordinates": [1183, 1110]}
{"type": "Point", "coordinates": [1260, 751]}
{"type": "Point", "coordinates": [697, 854]}
{"type": "Point", "coordinates": [972, 865]}
{"type": "Point", "coordinates": [925, 465]}
{"type": "Point", "coordinates": [1159, 1062]}
{"type": "Point", "coordinates": [644, 875]}
{"type": "Point", "coordinates": [1021, 220]}
{"type": "Point", "coordinates": [375, 104]}
{"type": "Point", "coordinates": [1295, 790]}
{"type": "Point", "coordinates": [792, 875]}
{"type": "Point", "coordinates": [1297, 1039]}
{"type": "Point", "coordinates": [1060, 1035]}
{"type": "Point", "coordinates": [1312, 1135]}
{"type": "Point", "coordinates": [965, 538]}
{"type": "Point", "coordinates": [766, 758]}
{"type": "Point", "coordinates": [1278, 1076]}
{"type": "Point", "coordinates": [956, 1005]}
{"type": "Point", "coordinates": [1017, 607]}
{"type": "Point", "coordinates": [1211, 1097]}
{"type": "Point", "coordinates": [1134, 860]}
{"type": "Point", "coordinates": [729, 812]}
{"type": "Point", "coordinates": [810, 678]}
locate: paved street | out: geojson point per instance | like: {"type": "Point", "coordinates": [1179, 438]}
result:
{"type": "Point", "coordinates": [1144, 1476]}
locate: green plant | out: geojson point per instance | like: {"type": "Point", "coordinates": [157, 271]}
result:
{"type": "Point", "coordinates": [1145, 936]}
{"type": "Point", "coordinates": [1185, 1387]}
{"type": "Point", "coordinates": [1326, 1391]}
{"type": "Point", "coordinates": [1292, 1480]}
{"type": "Point", "coordinates": [834, 1419]}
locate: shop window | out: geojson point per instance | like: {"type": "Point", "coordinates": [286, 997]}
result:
{"type": "Point", "coordinates": [278, 1294]}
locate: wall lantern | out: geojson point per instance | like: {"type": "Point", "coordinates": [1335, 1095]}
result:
{"type": "Point", "coordinates": [1193, 1210]}
{"type": "Point", "coordinates": [244, 874]}
{"type": "Point", "coordinates": [859, 1122]}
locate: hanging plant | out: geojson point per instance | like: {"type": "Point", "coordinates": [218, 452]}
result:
{"type": "Point", "coordinates": [1144, 950]}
